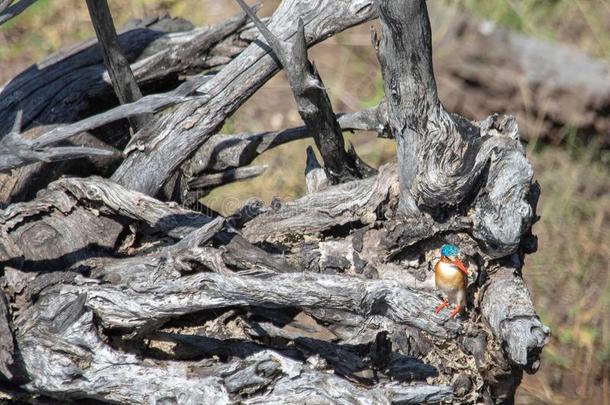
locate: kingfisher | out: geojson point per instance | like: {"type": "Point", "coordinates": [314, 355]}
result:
{"type": "Point", "coordinates": [450, 277]}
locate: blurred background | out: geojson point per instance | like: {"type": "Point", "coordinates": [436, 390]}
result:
{"type": "Point", "coordinates": [565, 132]}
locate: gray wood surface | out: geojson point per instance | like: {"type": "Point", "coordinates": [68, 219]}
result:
{"type": "Point", "coordinates": [123, 81]}
{"type": "Point", "coordinates": [109, 293]}
{"type": "Point", "coordinates": [174, 139]}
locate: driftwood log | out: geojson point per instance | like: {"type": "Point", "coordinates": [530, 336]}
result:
{"type": "Point", "coordinates": [115, 289]}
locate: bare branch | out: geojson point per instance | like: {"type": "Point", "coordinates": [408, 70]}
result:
{"type": "Point", "coordinates": [228, 176]}
{"type": "Point", "coordinates": [222, 152]}
{"type": "Point", "coordinates": [312, 101]}
{"type": "Point", "coordinates": [15, 151]}
{"type": "Point", "coordinates": [315, 176]}
{"type": "Point", "coordinates": [123, 80]}
{"type": "Point", "coordinates": [192, 124]}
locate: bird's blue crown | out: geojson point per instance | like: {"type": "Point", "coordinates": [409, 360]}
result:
{"type": "Point", "coordinates": [450, 250]}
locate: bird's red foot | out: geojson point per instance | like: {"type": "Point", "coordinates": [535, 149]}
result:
{"type": "Point", "coordinates": [455, 311]}
{"type": "Point", "coordinates": [440, 306]}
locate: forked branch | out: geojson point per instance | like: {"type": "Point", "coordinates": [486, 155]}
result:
{"type": "Point", "coordinates": [312, 101]}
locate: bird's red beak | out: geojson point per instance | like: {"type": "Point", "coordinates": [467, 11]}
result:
{"type": "Point", "coordinates": [460, 265]}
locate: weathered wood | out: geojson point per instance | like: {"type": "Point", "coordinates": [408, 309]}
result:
{"type": "Point", "coordinates": [4, 4]}
{"type": "Point", "coordinates": [74, 81]}
{"type": "Point", "coordinates": [51, 240]}
{"type": "Point", "coordinates": [315, 176]}
{"type": "Point", "coordinates": [116, 296]}
{"type": "Point", "coordinates": [63, 329]}
{"type": "Point", "coordinates": [23, 183]}
{"type": "Point", "coordinates": [148, 104]}
{"type": "Point", "coordinates": [54, 232]}
{"type": "Point", "coordinates": [15, 151]}
{"type": "Point", "coordinates": [18, 152]}
{"type": "Point", "coordinates": [72, 84]}
{"type": "Point", "coordinates": [175, 139]}
{"type": "Point", "coordinates": [349, 202]}
{"type": "Point", "coordinates": [228, 176]}
{"type": "Point", "coordinates": [312, 101]}
{"type": "Point", "coordinates": [146, 290]}
{"type": "Point", "coordinates": [405, 55]}
{"type": "Point", "coordinates": [123, 81]}
{"type": "Point", "coordinates": [517, 324]}
{"type": "Point", "coordinates": [7, 346]}
{"type": "Point", "coordinates": [442, 157]}
{"type": "Point", "coordinates": [169, 296]}
{"type": "Point", "coordinates": [222, 152]}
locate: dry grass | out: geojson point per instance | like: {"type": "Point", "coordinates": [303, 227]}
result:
{"type": "Point", "coordinates": [570, 281]}
{"type": "Point", "coordinates": [569, 275]}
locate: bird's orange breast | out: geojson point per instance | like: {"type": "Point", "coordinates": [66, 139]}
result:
{"type": "Point", "coordinates": [448, 275]}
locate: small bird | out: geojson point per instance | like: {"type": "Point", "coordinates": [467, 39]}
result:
{"type": "Point", "coordinates": [450, 278]}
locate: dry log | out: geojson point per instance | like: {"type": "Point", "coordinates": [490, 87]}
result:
{"type": "Point", "coordinates": [150, 289]}
{"type": "Point", "coordinates": [164, 296]}
{"type": "Point", "coordinates": [68, 332]}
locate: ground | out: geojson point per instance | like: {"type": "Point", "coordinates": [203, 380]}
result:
{"type": "Point", "coordinates": [568, 276]}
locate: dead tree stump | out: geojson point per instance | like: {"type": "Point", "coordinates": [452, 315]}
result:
{"type": "Point", "coordinates": [114, 290]}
